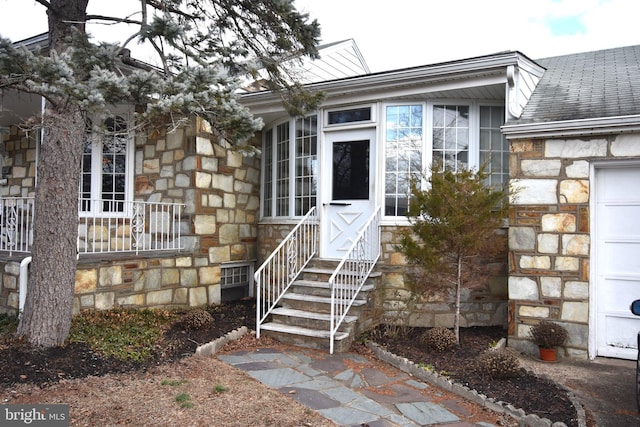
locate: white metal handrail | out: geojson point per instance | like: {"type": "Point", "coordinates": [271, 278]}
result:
{"type": "Point", "coordinates": [352, 272]}
{"type": "Point", "coordinates": [128, 226]}
{"type": "Point", "coordinates": [104, 226]}
{"type": "Point", "coordinates": [16, 224]}
{"type": "Point", "coordinates": [283, 266]}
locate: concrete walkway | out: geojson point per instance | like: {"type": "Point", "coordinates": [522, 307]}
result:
{"type": "Point", "coordinates": [353, 391]}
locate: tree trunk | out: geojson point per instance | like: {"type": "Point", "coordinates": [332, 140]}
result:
{"type": "Point", "coordinates": [46, 318]}
{"type": "Point", "coordinates": [456, 321]}
{"type": "Point", "coordinates": [47, 314]}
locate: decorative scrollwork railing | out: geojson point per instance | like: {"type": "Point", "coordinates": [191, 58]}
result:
{"type": "Point", "coordinates": [352, 272]}
{"type": "Point", "coordinates": [283, 266]}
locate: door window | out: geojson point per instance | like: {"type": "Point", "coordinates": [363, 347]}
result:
{"type": "Point", "coordinates": [350, 170]}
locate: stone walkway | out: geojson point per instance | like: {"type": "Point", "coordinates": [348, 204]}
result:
{"type": "Point", "coordinates": [348, 389]}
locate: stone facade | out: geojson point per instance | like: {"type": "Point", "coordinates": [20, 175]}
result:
{"type": "Point", "coordinates": [219, 188]}
{"type": "Point", "coordinates": [549, 233]}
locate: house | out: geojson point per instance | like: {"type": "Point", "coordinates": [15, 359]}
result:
{"type": "Point", "coordinates": [326, 197]}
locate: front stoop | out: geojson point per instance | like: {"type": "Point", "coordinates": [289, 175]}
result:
{"type": "Point", "coordinates": [304, 315]}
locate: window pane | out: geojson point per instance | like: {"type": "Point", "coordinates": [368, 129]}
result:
{"type": "Point", "coordinates": [494, 147]}
{"type": "Point", "coordinates": [267, 192]}
{"type": "Point", "coordinates": [282, 168]}
{"type": "Point", "coordinates": [350, 116]}
{"type": "Point", "coordinates": [351, 170]}
{"type": "Point", "coordinates": [306, 146]}
{"type": "Point", "coordinates": [403, 155]}
{"type": "Point", "coordinates": [451, 136]}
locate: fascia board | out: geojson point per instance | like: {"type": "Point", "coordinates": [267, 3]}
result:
{"type": "Point", "coordinates": [471, 70]}
{"type": "Point", "coordinates": [580, 127]}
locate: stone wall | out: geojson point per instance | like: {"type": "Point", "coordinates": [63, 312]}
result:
{"type": "Point", "coordinates": [549, 234]}
{"type": "Point", "coordinates": [220, 190]}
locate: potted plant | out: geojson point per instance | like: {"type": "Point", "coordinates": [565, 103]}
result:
{"type": "Point", "coordinates": [548, 335]}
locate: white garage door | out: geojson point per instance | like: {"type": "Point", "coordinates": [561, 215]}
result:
{"type": "Point", "coordinates": [617, 260]}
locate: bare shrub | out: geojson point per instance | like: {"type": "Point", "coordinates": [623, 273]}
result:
{"type": "Point", "coordinates": [498, 363]}
{"type": "Point", "coordinates": [438, 339]}
{"type": "Point", "coordinates": [196, 319]}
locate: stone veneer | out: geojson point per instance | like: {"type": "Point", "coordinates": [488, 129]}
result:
{"type": "Point", "coordinates": [220, 190]}
{"type": "Point", "coordinates": [549, 233]}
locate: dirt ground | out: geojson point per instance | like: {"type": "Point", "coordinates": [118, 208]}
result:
{"type": "Point", "coordinates": [176, 388]}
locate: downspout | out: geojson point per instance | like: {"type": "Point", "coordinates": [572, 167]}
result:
{"type": "Point", "coordinates": [24, 279]}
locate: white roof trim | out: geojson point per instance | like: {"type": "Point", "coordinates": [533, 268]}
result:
{"type": "Point", "coordinates": [598, 126]}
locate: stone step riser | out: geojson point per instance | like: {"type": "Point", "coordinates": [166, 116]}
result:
{"type": "Point", "coordinates": [322, 325]}
{"type": "Point", "coordinates": [313, 306]}
{"type": "Point", "coordinates": [339, 346]}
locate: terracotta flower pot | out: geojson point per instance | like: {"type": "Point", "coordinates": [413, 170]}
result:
{"type": "Point", "coordinates": [548, 354]}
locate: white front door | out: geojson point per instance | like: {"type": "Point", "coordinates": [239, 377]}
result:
{"type": "Point", "coordinates": [348, 195]}
{"type": "Point", "coordinates": [617, 253]}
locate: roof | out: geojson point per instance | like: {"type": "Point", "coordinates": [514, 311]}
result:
{"type": "Point", "coordinates": [603, 84]}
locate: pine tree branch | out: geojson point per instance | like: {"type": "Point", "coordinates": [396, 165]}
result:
{"type": "Point", "coordinates": [113, 19]}
{"type": "Point", "coordinates": [45, 3]}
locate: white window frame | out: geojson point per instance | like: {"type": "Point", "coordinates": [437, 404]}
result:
{"type": "Point", "coordinates": [427, 136]}
{"type": "Point", "coordinates": [367, 123]}
{"type": "Point", "coordinates": [96, 167]}
{"type": "Point", "coordinates": [291, 168]}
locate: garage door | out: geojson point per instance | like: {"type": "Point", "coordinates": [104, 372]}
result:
{"type": "Point", "coordinates": [617, 260]}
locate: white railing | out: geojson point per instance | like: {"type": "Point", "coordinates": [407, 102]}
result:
{"type": "Point", "coordinates": [16, 224]}
{"type": "Point", "coordinates": [352, 272]}
{"type": "Point", "coordinates": [283, 266]}
{"type": "Point", "coordinates": [104, 226]}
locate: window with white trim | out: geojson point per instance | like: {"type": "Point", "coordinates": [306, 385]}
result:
{"type": "Point", "coordinates": [494, 147]}
{"type": "Point", "coordinates": [107, 170]}
{"type": "Point", "coordinates": [403, 156]}
{"type": "Point", "coordinates": [457, 135]}
{"type": "Point", "coordinates": [290, 150]}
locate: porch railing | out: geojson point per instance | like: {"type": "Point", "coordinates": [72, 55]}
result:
{"type": "Point", "coordinates": [128, 226]}
{"type": "Point", "coordinates": [283, 266]}
{"type": "Point", "coordinates": [104, 226]}
{"type": "Point", "coordinates": [353, 271]}
{"type": "Point", "coordinates": [16, 224]}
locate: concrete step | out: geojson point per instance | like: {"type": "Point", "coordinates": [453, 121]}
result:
{"type": "Point", "coordinates": [320, 288]}
{"type": "Point", "coordinates": [298, 330]}
{"type": "Point", "coordinates": [290, 312]}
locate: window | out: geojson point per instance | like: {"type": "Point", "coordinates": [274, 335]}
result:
{"type": "Point", "coordinates": [105, 182]}
{"type": "Point", "coordinates": [236, 281]}
{"type": "Point", "coordinates": [403, 155]}
{"type": "Point", "coordinates": [494, 147]}
{"type": "Point", "coordinates": [349, 116]}
{"type": "Point", "coordinates": [451, 136]}
{"type": "Point", "coordinates": [458, 136]}
{"type": "Point", "coordinates": [350, 170]}
{"type": "Point", "coordinates": [306, 147]}
{"type": "Point", "coordinates": [290, 150]}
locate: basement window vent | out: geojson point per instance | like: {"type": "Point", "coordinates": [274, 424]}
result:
{"type": "Point", "coordinates": [237, 281]}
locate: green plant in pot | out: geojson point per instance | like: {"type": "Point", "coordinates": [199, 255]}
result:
{"type": "Point", "coordinates": [548, 336]}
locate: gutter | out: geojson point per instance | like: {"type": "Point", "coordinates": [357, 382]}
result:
{"type": "Point", "coordinates": [574, 128]}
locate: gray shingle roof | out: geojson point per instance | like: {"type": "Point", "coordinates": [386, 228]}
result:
{"type": "Point", "coordinates": [604, 83]}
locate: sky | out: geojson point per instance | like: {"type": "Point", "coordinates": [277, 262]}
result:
{"type": "Point", "coordinates": [404, 33]}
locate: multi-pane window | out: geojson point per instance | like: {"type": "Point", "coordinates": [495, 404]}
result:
{"type": "Point", "coordinates": [105, 176]}
{"type": "Point", "coordinates": [494, 147]}
{"type": "Point", "coordinates": [267, 194]}
{"type": "Point", "coordinates": [403, 155]}
{"type": "Point", "coordinates": [290, 168]}
{"type": "Point", "coordinates": [282, 169]}
{"type": "Point", "coordinates": [306, 147]}
{"type": "Point", "coordinates": [451, 136]}
{"type": "Point", "coordinates": [235, 281]}
{"type": "Point", "coordinates": [457, 136]}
